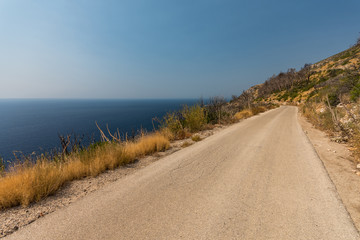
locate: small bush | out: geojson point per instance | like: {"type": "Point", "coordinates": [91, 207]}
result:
{"type": "Point", "coordinates": [326, 121]}
{"type": "Point", "coordinates": [243, 114]}
{"type": "Point", "coordinates": [335, 72]}
{"type": "Point", "coordinates": [173, 123]}
{"type": "Point", "coordinates": [323, 79]}
{"type": "Point", "coordinates": [322, 120]}
{"type": "Point", "coordinates": [258, 109]}
{"type": "Point", "coordinates": [196, 138]}
{"type": "Point", "coordinates": [188, 120]}
{"type": "Point", "coordinates": [334, 99]}
{"type": "Point", "coordinates": [355, 93]}
{"type": "Point", "coordinates": [194, 117]}
{"type": "Point", "coordinates": [2, 165]}
{"type": "Point", "coordinates": [311, 95]}
{"type": "Point", "coordinates": [186, 144]}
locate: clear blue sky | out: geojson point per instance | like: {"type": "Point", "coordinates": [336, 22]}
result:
{"type": "Point", "coordinates": [163, 48]}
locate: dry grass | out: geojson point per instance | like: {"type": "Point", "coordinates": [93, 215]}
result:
{"type": "Point", "coordinates": [258, 109]}
{"type": "Point", "coordinates": [246, 113]}
{"type": "Point", "coordinates": [186, 144]}
{"type": "Point", "coordinates": [28, 183]}
{"type": "Point", "coordinates": [323, 121]}
{"type": "Point", "coordinates": [319, 116]}
{"type": "Point", "coordinates": [196, 138]}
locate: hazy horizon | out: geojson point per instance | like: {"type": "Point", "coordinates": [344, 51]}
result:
{"type": "Point", "coordinates": [162, 49]}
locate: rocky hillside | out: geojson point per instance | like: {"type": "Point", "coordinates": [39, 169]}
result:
{"type": "Point", "coordinates": [328, 93]}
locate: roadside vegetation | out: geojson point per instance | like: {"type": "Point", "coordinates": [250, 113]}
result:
{"type": "Point", "coordinates": [29, 182]}
{"type": "Point", "coordinates": [32, 179]}
{"type": "Point", "coordinates": [327, 93]}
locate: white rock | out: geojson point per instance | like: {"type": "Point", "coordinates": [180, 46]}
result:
{"type": "Point", "coordinates": [358, 166]}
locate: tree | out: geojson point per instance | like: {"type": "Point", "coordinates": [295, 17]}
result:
{"type": "Point", "coordinates": [246, 99]}
{"type": "Point", "coordinates": [305, 72]}
{"type": "Point", "coordinates": [215, 108]}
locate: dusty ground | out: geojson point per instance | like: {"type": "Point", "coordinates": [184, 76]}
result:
{"type": "Point", "coordinates": [340, 166]}
{"type": "Point", "coordinates": [257, 179]}
{"type": "Point", "coordinates": [15, 218]}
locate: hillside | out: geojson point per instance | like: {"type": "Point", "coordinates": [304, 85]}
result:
{"type": "Point", "coordinates": [327, 92]}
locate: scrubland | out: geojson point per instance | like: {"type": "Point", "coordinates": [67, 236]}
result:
{"type": "Point", "coordinates": [30, 181]}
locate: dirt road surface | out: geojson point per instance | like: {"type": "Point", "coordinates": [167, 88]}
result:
{"type": "Point", "coordinates": [258, 179]}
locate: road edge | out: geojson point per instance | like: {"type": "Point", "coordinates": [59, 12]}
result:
{"type": "Point", "coordinates": [337, 161]}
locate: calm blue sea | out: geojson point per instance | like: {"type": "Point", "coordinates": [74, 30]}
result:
{"type": "Point", "coordinates": [33, 125]}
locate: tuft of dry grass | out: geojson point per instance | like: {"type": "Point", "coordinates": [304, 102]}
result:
{"type": "Point", "coordinates": [28, 183]}
{"type": "Point", "coordinates": [249, 112]}
{"type": "Point", "coordinates": [258, 109]}
{"type": "Point", "coordinates": [186, 144]}
{"type": "Point", "coordinates": [196, 138]}
{"type": "Point", "coordinates": [246, 113]}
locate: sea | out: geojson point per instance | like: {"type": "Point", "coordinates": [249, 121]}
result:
{"type": "Point", "coordinates": [32, 126]}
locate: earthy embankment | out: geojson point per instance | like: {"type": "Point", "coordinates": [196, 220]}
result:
{"type": "Point", "coordinates": [258, 179]}
{"type": "Point", "coordinates": [340, 166]}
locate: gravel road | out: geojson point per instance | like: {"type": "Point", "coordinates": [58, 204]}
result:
{"type": "Point", "coordinates": [258, 179]}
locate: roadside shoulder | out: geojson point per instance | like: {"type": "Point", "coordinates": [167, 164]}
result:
{"type": "Point", "coordinates": [340, 166]}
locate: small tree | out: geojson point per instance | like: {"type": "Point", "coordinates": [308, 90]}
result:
{"type": "Point", "coordinates": [305, 72]}
{"type": "Point", "coordinates": [215, 108]}
{"type": "Point", "coordinates": [246, 99]}
{"type": "Point", "coordinates": [194, 117]}
{"type": "Point", "coordinates": [234, 98]}
{"type": "Point", "coordinates": [2, 165]}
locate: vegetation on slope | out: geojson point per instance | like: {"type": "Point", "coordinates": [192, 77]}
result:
{"type": "Point", "coordinates": [29, 182]}
{"type": "Point", "coordinates": [328, 93]}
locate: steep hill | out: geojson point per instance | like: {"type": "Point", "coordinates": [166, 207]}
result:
{"type": "Point", "coordinates": [328, 93]}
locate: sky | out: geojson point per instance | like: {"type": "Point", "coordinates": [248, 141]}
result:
{"type": "Point", "coordinates": [146, 49]}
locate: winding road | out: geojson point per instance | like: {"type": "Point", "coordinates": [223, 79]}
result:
{"type": "Point", "coordinates": [257, 179]}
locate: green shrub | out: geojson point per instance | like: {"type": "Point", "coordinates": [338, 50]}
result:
{"type": "Point", "coordinates": [311, 95]}
{"type": "Point", "coordinates": [323, 79]}
{"type": "Point", "coordinates": [326, 122]}
{"type": "Point", "coordinates": [355, 92]}
{"type": "Point", "coordinates": [293, 94]}
{"type": "Point", "coordinates": [194, 117]}
{"type": "Point", "coordinates": [188, 119]}
{"type": "Point", "coordinates": [283, 97]}
{"type": "Point", "coordinates": [172, 122]}
{"type": "Point", "coordinates": [2, 165]}
{"type": "Point", "coordinates": [335, 72]}
{"type": "Point", "coordinates": [334, 99]}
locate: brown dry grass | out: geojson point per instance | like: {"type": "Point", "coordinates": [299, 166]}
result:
{"type": "Point", "coordinates": [186, 144]}
{"type": "Point", "coordinates": [196, 138]}
{"type": "Point", "coordinates": [258, 109]}
{"type": "Point", "coordinates": [246, 113]}
{"type": "Point", "coordinates": [28, 183]}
